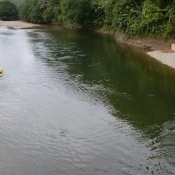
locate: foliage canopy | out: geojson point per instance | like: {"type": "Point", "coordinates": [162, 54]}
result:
{"type": "Point", "coordinates": [8, 11]}
{"type": "Point", "coordinates": [144, 17]}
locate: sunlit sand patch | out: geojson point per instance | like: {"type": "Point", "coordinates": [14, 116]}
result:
{"type": "Point", "coordinates": [167, 58]}
{"type": "Point", "coordinates": [18, 24]}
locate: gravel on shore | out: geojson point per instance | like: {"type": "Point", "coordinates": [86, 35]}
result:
{"type": "Point", "coordinates": [18, 24]}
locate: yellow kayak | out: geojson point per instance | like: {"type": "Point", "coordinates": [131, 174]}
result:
{"type": "Point", "coordinates": [1, 72]}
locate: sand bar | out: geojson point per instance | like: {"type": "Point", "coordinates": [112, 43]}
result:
{"type": "Point", "coordinates": [165, 58]}
{"type": "Point", "coordinates": [18, 24]}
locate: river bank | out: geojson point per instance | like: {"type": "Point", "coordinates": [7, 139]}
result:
{"type": "Point", "coordinates": [158, 48]}
{"type": "Point", "coordinates": [18, 24]}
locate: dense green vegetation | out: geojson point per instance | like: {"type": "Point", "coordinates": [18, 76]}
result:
{"type": "Point", "coordinates": [16, 2]}
{"type": "Point", "coordinates": [8, 11]}
{"type": "Point", "coordinates": [143, 17]}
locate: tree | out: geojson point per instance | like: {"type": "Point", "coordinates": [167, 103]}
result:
{"type": "Point", "coordinates": [152, 17]}
{"type": "Point", "coordinates": [24, 11]}
{"type": "Point", "coordinates": [31, 11]}
{"type": "Point", "coordinates": [51, 12]}
{"type": "Point", "coordinates": [8, 11]}
{"type": "Point", "coordinates": [77, 12]}
{"type": "Point", "coordinates": [143, 17]}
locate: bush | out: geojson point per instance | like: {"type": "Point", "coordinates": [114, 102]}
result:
{"type": "Point", "coordinates": [152, 18]}
{"type": "Point", "coordinates": [77, 12]}
{"type": "Point", "coordinates": [127, 16]}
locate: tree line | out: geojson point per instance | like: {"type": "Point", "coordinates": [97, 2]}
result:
{"type": "Point", "coordinates": [143, 17]}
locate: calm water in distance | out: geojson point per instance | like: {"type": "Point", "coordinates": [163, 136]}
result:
{"type": "Point", "coordinates": [78, 103]}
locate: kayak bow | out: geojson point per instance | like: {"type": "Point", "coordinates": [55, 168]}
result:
{"type": "Point", "coordinates": [1, 72]}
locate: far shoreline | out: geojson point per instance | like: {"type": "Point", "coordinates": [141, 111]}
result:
{"type": "Point", "coordinates": [167, 58]}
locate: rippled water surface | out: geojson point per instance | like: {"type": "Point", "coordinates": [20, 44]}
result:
{"type": "Point", "coordinates": [78, 103]}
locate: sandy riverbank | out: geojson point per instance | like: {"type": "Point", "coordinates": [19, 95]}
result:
{"type": "Point", "coordinates": [160, 48]}
{"type": "Point", "coordinates": [165, 58]}
{"type": "Point", "coordinates": [18, 24]}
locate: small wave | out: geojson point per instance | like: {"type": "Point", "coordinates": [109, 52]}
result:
{"type": "Point", "coordinates": [6, 31]}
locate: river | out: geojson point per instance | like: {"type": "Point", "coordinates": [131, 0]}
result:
{"type": "Point", "coordinates": [78, 103]}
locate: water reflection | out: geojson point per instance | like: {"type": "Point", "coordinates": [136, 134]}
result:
{"type": "Point", "coordinates": [105, 67]}
{"type": "Point", "coordinates": [79, 103]}
{"type": "Point", "coordinates": [133, 86]}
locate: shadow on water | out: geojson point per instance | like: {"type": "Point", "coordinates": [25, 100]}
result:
{"type": "Point", "coordinates": [134, 87]}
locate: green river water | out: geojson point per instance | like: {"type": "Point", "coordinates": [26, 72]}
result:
{"type": "Point", "coordinates": [79, 103]}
